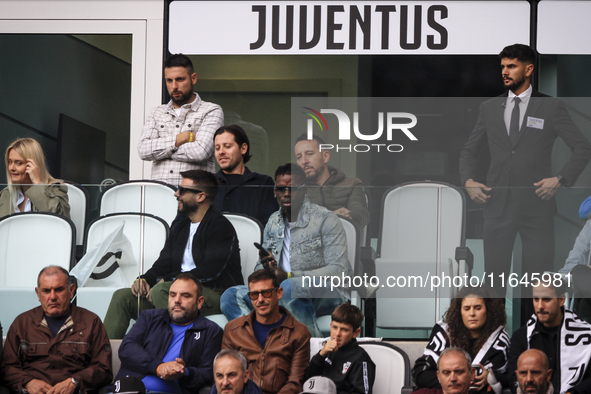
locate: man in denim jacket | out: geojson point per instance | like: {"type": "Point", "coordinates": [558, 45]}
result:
{"type": "Point", "coordinates": [305, 245]}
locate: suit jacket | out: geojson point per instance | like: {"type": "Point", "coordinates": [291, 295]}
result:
{"type": "Point", "coordinates": [519, 166]}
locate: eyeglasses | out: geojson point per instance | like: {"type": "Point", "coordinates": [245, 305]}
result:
{"type": "Point", "coordinates": [183, 190]}
{"type": "Point", "coordinates": [292, 188]}
{"type": "Point", "coordinates": [254, 295]}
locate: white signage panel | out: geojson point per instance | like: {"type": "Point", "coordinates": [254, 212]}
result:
{"type": "Point", "coordinates": [564, 28]}
{"type": "Point", "coordinates": [374, 27]}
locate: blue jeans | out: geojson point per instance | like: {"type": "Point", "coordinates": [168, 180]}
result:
{"type": "Point", "coordinates": [235, 303]}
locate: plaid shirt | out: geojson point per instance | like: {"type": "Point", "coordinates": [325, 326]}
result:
{"type": "Point", "coordinates": [158, 139]}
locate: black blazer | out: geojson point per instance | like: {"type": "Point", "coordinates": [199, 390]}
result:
{"type": "Point", "coordinates": [519, 166]}
{"type": "Point", "coordinates": [215, 252]}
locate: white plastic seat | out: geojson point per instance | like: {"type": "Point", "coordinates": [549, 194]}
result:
{"type": "Point", "coordinates": [155, 233]}
{"type": "Point", "coordinates": [29, 242]}
{"type": "Point", "coordinates": [158, 199]}
{"type": "Point", "coordinates": [353, 246]}
{"type": "Point", "coordinates": [77, 198]}
{"type": "Point", "coordinates": [392, 367]}
{"type": "Point", "coordinates": [422, 226]}
{"type": "Point", "coordinates": [249, 231]}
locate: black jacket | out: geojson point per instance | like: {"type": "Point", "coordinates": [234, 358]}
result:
{"type": "Point", "coordinates": [350, 368]}
{"type": "Point", "coordinates": [147, 342]}
{"type": "Point", "coordinates": [215, 252]}
{"type": "Point", "coordinates": [529, 160]}
{"type": "Point", "coordinates": [547, 342]}
{"type": "Point", "coordinates": [252, 195]}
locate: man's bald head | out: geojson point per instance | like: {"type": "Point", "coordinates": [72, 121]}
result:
{"type": "Point", "coordinates": [533, 373]}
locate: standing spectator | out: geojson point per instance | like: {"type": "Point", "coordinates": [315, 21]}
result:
{"type": "Point", "coordinates": [178, 136]}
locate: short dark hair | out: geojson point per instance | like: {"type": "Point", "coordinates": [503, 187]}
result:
{"type": "Point", "coordinates": [523, 53]}
{"type": "Point", "coordinates": [55, 269]}
{"type": "Point", "coordinates": [263, 274]}
{"type": "Point", "coordinates": [190, 278]}
{"type": "Point", "coordinates": [290, 169]}
{"type": "Point", "coordinates": [304, 137]}
{"type": "Point", "coordinates": [179, 60]}
{"type": "Point", "coordinates": [206, 180]}
{"type": "Point", "coordinates": [239, 136]}
{"type": "Point", "coordinates": [348, 314]}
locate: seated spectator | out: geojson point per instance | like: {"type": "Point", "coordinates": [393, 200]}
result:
{"type": "Point", "coordinates": [241, 190]}
{"type": "Point", "coordinates": [231, 374]}
{"type": "Point", "coordinates": [172, 350]}
{"type": "Point", "coordinates": [561, 335]}
{"type": "Point", "coordinates": [342, 359]}
{"type": "Point", "coordinates": [311, 245]}
{"type": "Point", "coordinates": [454, 372]}
{"type": "Point", "coordinates": [201, 241]}
{"type": "Point", "coordinates": [57, 347]}
{"type": "Point", "coordinates": [275, 344]}
{"type": "Point", "coordinates": [328, 186]}
{"type": "Point", "coordinates": [30, 186]}
{"type": "Point", "coordinates": [577, 264]}
{"type": "Point", "coordinates": [533, 373]}
{"type": "Point", "coordinates": [474, 323]}
{"type": "Point", "coordinates": [319, 385]}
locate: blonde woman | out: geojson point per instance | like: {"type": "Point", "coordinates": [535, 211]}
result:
{"type": "Point", "coordinates": [30, 186]}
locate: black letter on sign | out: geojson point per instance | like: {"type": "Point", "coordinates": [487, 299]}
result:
{"type": "Point", "coordinates": [404, 44]}
{"type": "Point", "coordinates": [261, 9]}
{"type": "Point", "coordinates": [385, 10]}
{"type": "Point", "coordinates": [364, 24]}
{"type": "Point", "coordinates": [437, 27]}
{"type": "Point", "coordinates": [331, 27]}
{"type": "Point", "coordinates": [303, 27]}
{"type": "Point", "coordinates": [288, 28]}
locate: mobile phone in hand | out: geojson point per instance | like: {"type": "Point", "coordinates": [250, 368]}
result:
{"type": "Point", "coordinates": [261, 249]}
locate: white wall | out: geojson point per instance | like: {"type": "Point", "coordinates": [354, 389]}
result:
{"type": "Point", "coordinates": [144, 19]}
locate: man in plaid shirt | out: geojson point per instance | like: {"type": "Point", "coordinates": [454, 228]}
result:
{"type": "Point", "coordinates": [178, 136]}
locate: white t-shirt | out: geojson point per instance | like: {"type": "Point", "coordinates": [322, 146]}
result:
{"type": "Point", "coordinates": [188, 262]}
{"type": "Point", "coordinates": [285, 251]}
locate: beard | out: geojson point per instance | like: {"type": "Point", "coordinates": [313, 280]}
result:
{"type": "Point", "coordinates": [185, 316]}
{"type": "Point", "coordinates": [516, 83]}
{"type": "Point", "coordinates": [188, 207]}
{"type": "Point", "coordinates": [182, 99]}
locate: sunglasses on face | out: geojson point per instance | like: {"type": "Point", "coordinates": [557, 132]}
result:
{"type": "Point", "coordinates": [183, 190]}
{"type": "Point", "coordinates": [291, 189]}
{"type": "Point", "coordinates": [254, 295]}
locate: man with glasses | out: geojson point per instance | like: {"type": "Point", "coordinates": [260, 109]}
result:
{"type": "Point", "coordinates": [201, 241]}
{"type": "Point", "coordinates": [305, 245]}
{"type": "Point", "coordinates": [275, 344]}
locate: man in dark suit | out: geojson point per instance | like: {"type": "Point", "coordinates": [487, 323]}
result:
{"type": "Point", "coordinates": [520, 128]}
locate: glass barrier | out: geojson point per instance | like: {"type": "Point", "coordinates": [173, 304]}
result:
{"type": "Point", "coordinates": [400, 252]}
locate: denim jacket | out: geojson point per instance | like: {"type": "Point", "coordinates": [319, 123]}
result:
{"type": "Point", "coordinates": [580, 253]}
{"type": "Point", "coordinates": [318, 242]}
